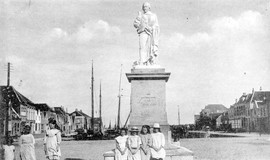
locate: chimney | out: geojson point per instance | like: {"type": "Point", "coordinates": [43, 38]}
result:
{"type": "Point", "coordinates": [76, 109]}
{"type": "Point", "coordinates": [260, 88]}
{"type": "Point", "coordinates": [252, 90]}
{"type": "Point", "coordinates": [81, 110]}
{"type": "Point", "coordinates": [236, 100]}
{"type": "Point", "coordinates": [244, 94]}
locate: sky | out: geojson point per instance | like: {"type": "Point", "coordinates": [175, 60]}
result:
{"type": "Point", "coordinates": [214, 50]}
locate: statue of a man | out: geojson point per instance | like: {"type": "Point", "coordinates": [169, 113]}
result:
{"type": "Point", "coordinates": [147, 27]}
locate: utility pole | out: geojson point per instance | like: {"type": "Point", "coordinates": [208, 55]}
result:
{"type": "Point", "coordinates": [178, 115]}
{"type": "Point", "coordinates": [119, 101]}
{"type": "Point", "coordinates": [7, 103]}
{"type": "Point", "coordinates": [100, 114]}
{"type": "Point", "coordinates": [8, 75]}
{"type": "Point", "coordinates": [92, 96]}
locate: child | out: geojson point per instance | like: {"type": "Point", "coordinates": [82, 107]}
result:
{"type": "Point", "coordinates": [27, 145]}
{"type": "Point", "coordinates": [52, 141]}
{"type": "Point", "coordinates": [121, 145]}
{"type": "Point", "coordinates": [9, 150]}
{"type": "Point", "coordinates": [157, 148]}
{"type": "Point", "coordinates": [134, 143]}
{"type": "Point", "coordinates": [146, 142]}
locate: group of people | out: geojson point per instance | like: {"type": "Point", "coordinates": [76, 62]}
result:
{"type": "Point", "coordinates": [52, 142]}
{"type": "Point", "coordinates": [144, 146]}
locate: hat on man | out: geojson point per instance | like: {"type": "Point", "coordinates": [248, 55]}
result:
{"type": "Point", "coordinates": [134, 129]}
{"type": "Point", "coordinates": [156, 125]}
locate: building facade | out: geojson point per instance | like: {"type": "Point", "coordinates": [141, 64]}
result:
{"type": "Point", "coordinates": [251, 112]}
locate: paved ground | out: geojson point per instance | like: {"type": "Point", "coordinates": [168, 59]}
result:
{"type": "Point", "coordinates": [245, 148]}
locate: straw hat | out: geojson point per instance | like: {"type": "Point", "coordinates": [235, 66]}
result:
{"type": "Point", "coordinates": [156, 125]}
{"type": "Point", "coordinates": [134, 129]}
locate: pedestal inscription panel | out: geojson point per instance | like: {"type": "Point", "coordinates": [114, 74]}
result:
{"type": "Point", "coordinates": [148, 96]}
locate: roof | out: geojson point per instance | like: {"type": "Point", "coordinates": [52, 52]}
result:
{"type": "Point", "coordinates": [79, 113]}
{"type": "Point", "coordinates": [59, 110]}
{"type": "Point", "coordinates": [17, 97]}
{"type": "Point", "coordinates": [215, 108]}
{"type": "Point", "coordinates": [255, 96]}
{"type": "Point", "coordinates": [42, 107]}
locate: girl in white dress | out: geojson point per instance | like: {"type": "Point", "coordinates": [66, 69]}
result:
{"type": "Point", "coordinates": [52, 141]}
{"type": "Point", "coordinates": [146, 139]}
{"type": "Point", "coordinates": [27, 145]}
{"type": "Point", "coordinates": [134, 143]}
{"type": "Point", "coordinates": [9, 150]}
{"type": "Point", "coordinates": [121, 145]}
{"type": "Point", "coordinates": [157, 149]}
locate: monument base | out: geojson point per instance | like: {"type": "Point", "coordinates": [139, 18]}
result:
{"type": "Point", "coordinates": [172, 153]}
{"type": "Point", "coordinates": [148, 106]}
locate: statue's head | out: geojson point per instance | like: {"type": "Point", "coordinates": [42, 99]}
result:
{"type": "Point", "coordinates": [146, 7]}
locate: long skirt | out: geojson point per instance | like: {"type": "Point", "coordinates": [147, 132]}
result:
{"type": "Point", "coordinates": [145, 156]}
{"type": "Point", "coordinates": [136, 156]}
{"type": "Point", "coordinates": [119, 156]}
{"type": "Point", "coordinates": [27, 152]}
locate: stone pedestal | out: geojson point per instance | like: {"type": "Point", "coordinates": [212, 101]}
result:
{"type": "Point", "coordinates": [148, 97]}
{"type": "Point", "coordinates": [148, 106]}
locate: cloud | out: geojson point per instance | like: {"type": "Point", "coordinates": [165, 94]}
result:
{"type": "Point", "coordinates": [14, 59]}
{"type": "Point", "coordinates": [98, 30]}
{"type": "Point", "coordinates": [247, 26]}
{"type": "Point", "coordinates": [58, 33]}
{"type": "Point", "coordinates": [89, 31]}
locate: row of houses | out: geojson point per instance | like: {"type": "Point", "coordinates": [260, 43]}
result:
{"type": "Point", "coordinates": [25, 112]}
{"type": "Point", "coordinates": [250, 113]}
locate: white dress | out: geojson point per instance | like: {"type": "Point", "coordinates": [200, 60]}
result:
{"type": "Point", "coordinates": [9, 152]}
{"type": "Point", "coordinates": [121, 142]}
{"type": "Point", "coordinates": [52, 142]}
{"type": "Point", "coordinates": [27, 147]}
{"type": "Point", "coordinates": [158, 140]}
{"type": "Point", "coordinates": [133, 143]}
{"type": "Point", "coordinates": [146, 142]}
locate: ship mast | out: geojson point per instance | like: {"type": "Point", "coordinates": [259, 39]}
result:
{"type": "Point", "coordinates": [100, 125]}
{"type": "Point", "coordinates": [92, 96]}
{"type": "Point", "coordinates": [119, 101]}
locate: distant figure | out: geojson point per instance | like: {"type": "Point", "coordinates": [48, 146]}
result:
{"type": "Point", "coordinates": [146, 139]}
{"type": "Point", "coordinates": [157, 149]}
{"type": "Point", "coordinates": [27, 145]}
{"type": "Point", "coordinates": [9, 150]}
{"type": "Point", "coordinates": [134, 143]}
{"type": "Point", "coordinates": [147, 27]}
{"type": "Point", "coordinates": [121, 145]}
{"type": "Point", "coordinates": [52, 141]}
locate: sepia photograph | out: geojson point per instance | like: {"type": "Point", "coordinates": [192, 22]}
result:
{"type": "Point", "coordinates": [134, 80]}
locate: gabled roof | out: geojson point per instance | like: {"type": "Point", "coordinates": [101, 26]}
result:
{"type": "Point", "coordinates": [245, 98]}
{"type": "Point", "coordinates": [17, 98]}
{"type": "Point", "coordinates": [59, 110]}
{"type": "Point", "coordinates": [215, 108]}
{"type": "Point", "coordinates": [79, 113]}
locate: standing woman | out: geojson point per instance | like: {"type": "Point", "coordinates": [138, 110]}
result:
{"type": "Point", "coordinates": [27, 145]}
{"type": "Point", "coordinates": [52, 141]}
{"type": "Point", "coordinates": [146, 139]}
{"type": "Point", "coordinates": [134, 143]}
{"type": "Point", "coordinates": [121, 145]}
{"type": "Point", "coordinates": [157, 149]}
